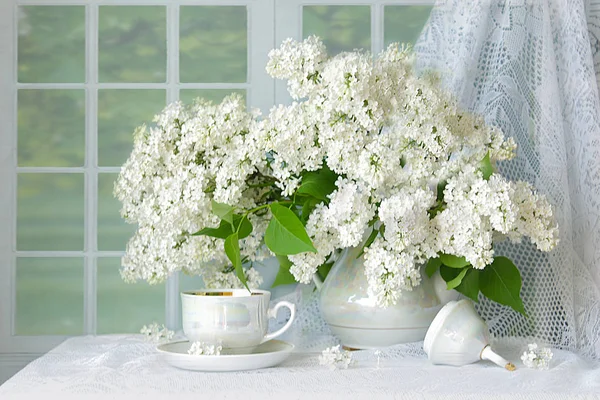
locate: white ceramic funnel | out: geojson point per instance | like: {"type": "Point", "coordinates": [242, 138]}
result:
{"type": "Point", "coordinates": [458, 336]}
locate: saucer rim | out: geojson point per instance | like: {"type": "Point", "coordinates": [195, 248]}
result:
{"type": "Point", "coordinates": [290, 349]}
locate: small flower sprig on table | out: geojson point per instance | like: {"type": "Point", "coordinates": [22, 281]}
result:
{"type": "Point", "coordinates": [156, 333]}
{"type": "Point", "coordinates": [536, 357]}
{"type": "Point", "coordinates": [205, 349]}
{"type": "Point", "coordinates": [335, 358]}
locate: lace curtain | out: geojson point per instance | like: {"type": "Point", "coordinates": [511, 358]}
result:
{"type": "Point", "coordinates": [528, 67]}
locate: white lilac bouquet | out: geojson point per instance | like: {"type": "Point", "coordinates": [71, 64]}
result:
{"type": "Point", "coordinates": [369, 154]}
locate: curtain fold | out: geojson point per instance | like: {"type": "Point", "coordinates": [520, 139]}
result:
{"type": "Point", "coordinates": [528, 67]}
{"type": "Point", "coordinates": [593, 19]}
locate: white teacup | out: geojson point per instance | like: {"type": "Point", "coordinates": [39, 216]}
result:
{"type": "Point", "coordinates": [234, 318]}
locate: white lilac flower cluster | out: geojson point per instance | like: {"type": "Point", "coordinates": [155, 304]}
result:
{"type": "Point", "coordinates": [156, 333]}
{"type": "Point", "coordinates": [537, 357]}
{"type": "Point", "coordinates": [193, 155]}
{"type": "Point", "coordinates": [405, 158]}
{"type": "Point", "coordinates": [205, 349]}
{"type": "Point", "coordinates": [335, 358]}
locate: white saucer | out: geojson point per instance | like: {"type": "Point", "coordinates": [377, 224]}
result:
{"type": "Point", "coordinates": [265, 355]}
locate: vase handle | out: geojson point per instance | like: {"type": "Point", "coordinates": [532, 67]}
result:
{"type": "Point", "coordinates": [318, 281]}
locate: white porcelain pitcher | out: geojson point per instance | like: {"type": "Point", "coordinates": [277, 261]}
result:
{"type": "Point", "coordinates": [359, 323]}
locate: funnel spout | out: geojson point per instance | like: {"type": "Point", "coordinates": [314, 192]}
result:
{"type": "Point", "coordinates": [488, 354]}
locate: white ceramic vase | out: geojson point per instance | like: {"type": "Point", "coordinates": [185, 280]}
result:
{"type": "Point", "coordinates": [359, 323]}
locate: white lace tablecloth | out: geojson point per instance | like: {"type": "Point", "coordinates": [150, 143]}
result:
{"type": "Point", "coordinates": [119, 367]}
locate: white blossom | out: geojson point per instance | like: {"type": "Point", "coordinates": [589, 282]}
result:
{"type": "Point", "coordinates": [335, 358]}
{"type": "Point", "coordinates": [535, 217]}
{"type": "Point", "coordinates": [339, 224]}
{"type": "Point", "coordinates": [299, 63]}
{"type": "Point", "coordinates": [156, 333]}
{"type": "Point", "coordinates": [205, 349]}
{"type": "Point", "coordinates": [406, 220]}
{"type": "Point", "coordinates": [537, 357]}
{"type": "Point", "coordinates": [389, 272]}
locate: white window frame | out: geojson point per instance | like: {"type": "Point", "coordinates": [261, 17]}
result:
{"type": "Point", "coordinates": [259, 93]}
{"type": "Point", "coordinates": [269, 23]}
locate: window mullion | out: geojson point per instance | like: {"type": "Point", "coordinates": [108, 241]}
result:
{"type": "Point", "coordinates": [261, 39]}
{"type": "Point", "coordinates": [65, 170]}
{"type": "Point", "coordinates": [376, 28]}
{"type": "Point", "coordinates": [91, 172]}
{"type": "Point", "coordinates": [288, 24]}
{"type": "Point", "coordinates": [172, 286]}
{"type": "Point", "coordinates": [129, 85]}
{"type": "Point", "coordinates": [7, 174]}
{"type": "Point", "coordinates": [65, 253]}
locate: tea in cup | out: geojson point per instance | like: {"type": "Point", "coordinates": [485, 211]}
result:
{"type": "Point", "coordinates": [233, 318]}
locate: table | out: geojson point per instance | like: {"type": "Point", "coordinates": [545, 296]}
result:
{"type": "Point", "coordinates": [127, 367]}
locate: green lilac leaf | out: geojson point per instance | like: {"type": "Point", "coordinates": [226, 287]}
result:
{"type": "Point", "coordinates": [285, 234]}
{"type": "Point", "coordinates": [225, 229]}
{"type": "Point", "coordinates": [501, 282]}
{"type": "Point", "coordinates": [448, 273]}
{"type": "Point", "coordinates": [470, 285]}
{"type": "Point", "coordinates": [432, 265]}
{"type": "Point", "coordinates": [232, 249]}
{"type": "Point", "coordinates": [453, 283]}
{"type": "Point", "coordinates": [486, 167]}
{"type": "Point", "coordinates": [440, 190]}
{"type": "Point", "coordinates": [435, 210]}
{"type": "Point", "coordinates": [318, 184]}
{"type": "Point", "coordinates": [453, 261]}
{"type": "Point", "coordinates": [222, 231]}
{"type": "Point", "coordinates": [284, 276]}
{"type": "Point", "coordinates": [297, 210]}
{"type": "Point", "coordinates": [245, 226]}
{"type": "Point", "coordinates": [223, 211]}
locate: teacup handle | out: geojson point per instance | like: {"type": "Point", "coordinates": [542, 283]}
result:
{"type": "Point", "coordinates": [273, 314]}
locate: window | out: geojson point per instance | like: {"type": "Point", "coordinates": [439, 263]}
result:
{"type": "Point", "coordinates": [76, 76]}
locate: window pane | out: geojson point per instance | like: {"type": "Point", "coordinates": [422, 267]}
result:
{"type": "Point", "coordinates": [119, 113]}
{"type": "Point", "coordinates": [342, 28]}
{"type": "Point", "coordinates": [125, 307]}
{"type": "Point", "coordinates": [51, 128]}
{"type": "Point", "coordinates": [50, 212]}
{"type": "Point", "coordinates": [51, 44]}
{"type": "Point", "coordinates": [132, 44]}
{"type": "Point", "coordinates": [403, 24]}
{"type": "Point", "coordinates": [49, 296]}
{"type": "Point", "coordinates": [113, 231]}
{"type": "Point", "coordinates": [213, 44]}
{"type": "Point", "coordinates": [214, 95]}
{"type": "Point", "coordinates": [188, 282]}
